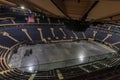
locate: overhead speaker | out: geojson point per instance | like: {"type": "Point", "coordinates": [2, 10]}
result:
{"type": "Point", "coordinates": [75, 25]}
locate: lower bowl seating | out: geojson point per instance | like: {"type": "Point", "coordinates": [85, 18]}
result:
{"type": "Point", "coordinates": [14, 36]}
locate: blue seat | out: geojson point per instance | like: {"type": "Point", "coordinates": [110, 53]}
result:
{"type": "Point", "coordinates": [17, 33]}
{"type": "Point", "coordinates": [118, 45]}
{"type": "Point", "coordinates": [69, 33]}
{"type": "Point", "coordinates": [80, 35]}
{"type": "Point", "coordinates": [58, 33]}
{"type": "Point", "coordinates": [89, 33]}
{"type": "Point", "coordinates": [100, 35]}
{"type": "Point", "coordinates": [6, 22]}
{"type": "Point", "coordinates": [34, 33]}
{"type": "Point", "coordinates": [47, 32]}
{"type": "Point", "coordinates": [5, 41]}
{"type": "Point", "coordinates": [114, 38]}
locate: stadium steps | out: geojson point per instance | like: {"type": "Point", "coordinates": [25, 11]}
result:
{"type": "Point", "coordinates": [32, 77]}
{"type": "Point", "coordinates": [106, 65]}
{"type": "Point", "coordinates": [90, 67]}
{"type": "Point", "coordinates": [59, 74]}
{"type": "Point", "coordinates": [45, 75]}
{"type": "Point", "coordinates": [95, 66]}
{"type": "Point", "coordinates": [86, 70]}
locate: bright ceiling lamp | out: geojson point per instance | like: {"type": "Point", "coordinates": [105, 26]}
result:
{"type": "Point", "coordinates": [30, 68]}
{"type": "Point", "coordinates": [22, 7]}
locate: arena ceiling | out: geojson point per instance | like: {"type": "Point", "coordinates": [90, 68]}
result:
{"type": "Point", "coordinates": [87, 10]}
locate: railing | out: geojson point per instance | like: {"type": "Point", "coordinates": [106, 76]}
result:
{"type": "Point", "coordinates": [27, 24]}
{"type": "Point", "coordinates": [68, 63]}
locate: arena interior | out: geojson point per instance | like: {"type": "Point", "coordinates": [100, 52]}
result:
{"type": "Point", "coordinates": [59, 39]}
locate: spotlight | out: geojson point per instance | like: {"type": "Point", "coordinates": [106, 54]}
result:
{"type": "Point", "coordinates": [22, 7]}
{"type": "Point", "coordinates": [30, 68]}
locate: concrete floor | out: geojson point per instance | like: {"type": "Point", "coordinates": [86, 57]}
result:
{"type": "Point", "coordinates": [50, 56]}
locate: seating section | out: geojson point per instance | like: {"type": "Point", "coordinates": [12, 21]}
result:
{"type": "Point", "coordinates": [6, 22]}
{"type": "Point", "coordinates": [16, 30]}
{"type": "Point", "coordinates": [12, 35]}
{"type": "Point", "coordinates": [46, 75]}
{"type": "Point", "coordinates": [10, 18]}
{"type": "Point", "coordinates": [37, 33]}
{"type": "Point", "coordinates": [98, 70]}
{"type": "Point", "coordinates": [49, 33]}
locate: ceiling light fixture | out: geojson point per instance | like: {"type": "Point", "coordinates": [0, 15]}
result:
{"type": "Point", "coordinates": [22, 7]}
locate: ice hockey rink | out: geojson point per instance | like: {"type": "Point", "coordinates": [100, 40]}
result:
{"type": "Point", "coordinates": [56, 55]}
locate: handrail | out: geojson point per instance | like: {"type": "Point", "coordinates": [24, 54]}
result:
{"type": "Point", "coordinates": [17, 24]}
